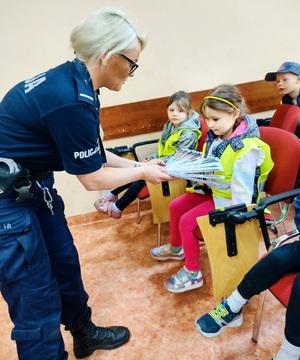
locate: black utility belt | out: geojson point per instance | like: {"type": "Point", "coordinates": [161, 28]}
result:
{"type": "Point", "coordinates": [23, 184]}
{"type": "Point", "coordinates": [36, 175]}
{"type": "Point", "coordinates": [12, 175]}
{"type": "Point", "coordinates": [27, 175]}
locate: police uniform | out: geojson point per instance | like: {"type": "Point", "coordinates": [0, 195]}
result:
{"type": "Point", "coordinates": [47, 123]}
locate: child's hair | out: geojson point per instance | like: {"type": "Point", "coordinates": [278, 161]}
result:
{"type": "Point", "coordinates": [225, 98]}
{"type": "Point", "coordinates": [183, 100]}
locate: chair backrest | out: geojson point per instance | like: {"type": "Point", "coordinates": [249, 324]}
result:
{"type": "Point", "coordinates": [287, 117]}
{"type": "Point", "coordinates": [142, 149]}
{"type": "Point", "coordinates": [204, 130]}
{"type": "Point", "coordinates": [285, 152]}
{"type": "Point", "coordinates": [283, 287]}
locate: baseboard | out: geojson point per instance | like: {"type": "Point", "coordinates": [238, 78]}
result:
{"type": "Point", "coordinates": [95, 216]}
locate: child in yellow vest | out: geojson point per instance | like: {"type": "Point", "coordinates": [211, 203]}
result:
{"type": "Point", "coordinates": [182, 130]}
{"type": "Point", "coordinates": [233, 137]}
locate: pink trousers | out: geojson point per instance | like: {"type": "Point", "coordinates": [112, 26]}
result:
{"type": "Point", "coordinates": [183, 213]}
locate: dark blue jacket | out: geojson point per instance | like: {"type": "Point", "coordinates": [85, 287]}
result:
{"type": "Point", "coordinates": [51, 121]}
{"type": "Point", "coordinates": [286, 99]}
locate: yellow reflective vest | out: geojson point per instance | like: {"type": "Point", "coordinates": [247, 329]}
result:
{"type": "Point", "coordinates": [169, 147]}
{"type": "Point", "coordinates": [228, 159]}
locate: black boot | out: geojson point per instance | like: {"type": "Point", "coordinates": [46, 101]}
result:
{"type": "Point", "coordinates": [88, 337]}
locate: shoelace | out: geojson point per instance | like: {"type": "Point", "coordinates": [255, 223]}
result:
{"type": "Point", "coordinates": [219, 313]}
{"type": "Point", "coordinates": [102, 332]}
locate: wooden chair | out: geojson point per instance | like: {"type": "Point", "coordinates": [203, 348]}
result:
{"type": "Point", "coordinates": [160, 196]}
{"type": "Point", "coordinates": [290, 118]}
{"type": "Point", "coordinates": [285, 176]}
{"type": "Point", "coordinates": [287, 117]}
{"type": "Point", "coordinates": [140, 151]}
{"type": "Point", "coordinates": [232, 248]}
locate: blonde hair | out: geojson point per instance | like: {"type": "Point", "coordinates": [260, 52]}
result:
{"type": "Point", "coordinates": [106, 31]}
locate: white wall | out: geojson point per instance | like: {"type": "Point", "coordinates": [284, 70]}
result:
{"type": "Point", "coordinates": [193, 45]}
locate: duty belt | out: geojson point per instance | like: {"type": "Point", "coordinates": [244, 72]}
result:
{"type": "Point", "coordinates": [23, 184]}
{"type": "Point", "coordinates": [37, 175]}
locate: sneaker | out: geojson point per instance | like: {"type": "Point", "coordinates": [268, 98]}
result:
{"type": "Point", "coordinates": [184, 280]}
{"type": "Point", "coordinates": [164, 253]}
{"type": "Point", "coordinates": [213, 323]}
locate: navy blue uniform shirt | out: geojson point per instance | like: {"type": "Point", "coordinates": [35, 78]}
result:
{"type": "Point", "coordinates": [51, 121]}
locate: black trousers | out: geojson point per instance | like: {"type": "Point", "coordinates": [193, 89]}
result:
{"type": "Point", "coordinates": [283, 260]}
{"type": "Point", "coordinates": [130, 195]}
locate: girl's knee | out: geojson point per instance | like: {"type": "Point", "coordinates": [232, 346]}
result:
{"type": "Point", "coordinates": [188, 222]}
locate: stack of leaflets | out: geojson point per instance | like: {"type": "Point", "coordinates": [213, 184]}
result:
{"type": "Point", "coordinates": [191, 165]}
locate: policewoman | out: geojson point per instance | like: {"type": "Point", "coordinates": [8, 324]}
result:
{"type": "Point", "coordinates": [51, 123]}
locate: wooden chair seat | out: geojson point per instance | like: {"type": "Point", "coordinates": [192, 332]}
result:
{"type": "Point", "coordinates": [160, 202]}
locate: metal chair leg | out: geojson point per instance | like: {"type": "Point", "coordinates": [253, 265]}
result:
{"type": "Point", "coordinates": [159, 234]}
{"type": "Point", "coordinates": [138, 211]}
{"type": "Point", "coordinates": [258, 316]}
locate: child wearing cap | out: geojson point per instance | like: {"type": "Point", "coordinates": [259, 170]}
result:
{"type": "Point", "coordinates": [288, 82]}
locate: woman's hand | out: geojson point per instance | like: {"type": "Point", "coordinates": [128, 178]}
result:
{"type": "Point", "coordinates": [156, 174]}
{"type": "Point", "coordinates": [153, 162]}
{"type": "Point", "coordinates": [109, 177]}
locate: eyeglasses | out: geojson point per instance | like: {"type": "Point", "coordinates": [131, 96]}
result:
{"type": "Point", "coordinates": [133, 65]}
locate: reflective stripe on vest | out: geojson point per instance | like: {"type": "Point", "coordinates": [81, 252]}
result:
{"type": "Point", "coordinates": [228, 159]}
{"type": "Point", "coordinates": [170, 146]}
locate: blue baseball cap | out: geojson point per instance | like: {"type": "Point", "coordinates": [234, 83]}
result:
{"type": "Point", "coordinates": [286, 67]}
